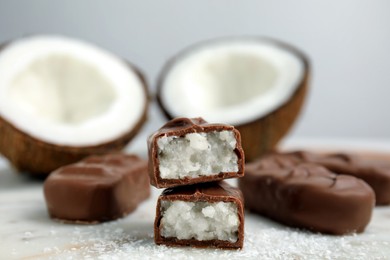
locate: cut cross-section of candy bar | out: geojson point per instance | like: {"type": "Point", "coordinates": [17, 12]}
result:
{"type": "Point", "coordinates": [200, 215]}
{"type": "Point", "coordinates": [97, 189]}
{"type": "Point", "coordinates": [188, 151]}
{"type": "Point", "coordinates": [307, 195]}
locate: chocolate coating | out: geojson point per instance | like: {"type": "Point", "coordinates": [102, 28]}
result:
{"type": "Point", "coordinates": [375, 173]}
{"type": "Point", "coordinates": [307, 195]}
{"type": "Point", "coordinates": [98, 188]}
{"type": "Point", "coordinates": [208, 192]}
{"type": "Point", "coordinates": [180, 127]}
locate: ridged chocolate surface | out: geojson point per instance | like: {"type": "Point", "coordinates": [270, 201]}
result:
{"type": "Point", "coordinates": [375, 173]}
{"type": "Point", "coordinates": [307, 195]}
{"type": "Point", "coordinates": [180, 127]}
{"type": "Point", "coordinates": [208, 192]}
{"type": "Point", "coordinates": [97, 189]}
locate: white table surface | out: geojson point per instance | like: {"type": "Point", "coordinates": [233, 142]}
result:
{"type": "Point", "coordinates": [26, 231]}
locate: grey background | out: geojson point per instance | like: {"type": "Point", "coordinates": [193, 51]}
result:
{"type": "Point", "coordinates": [348, 43]}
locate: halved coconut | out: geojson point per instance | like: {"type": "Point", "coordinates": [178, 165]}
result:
{"type": "Point", "coordinates": [63, 99]}
{"type": "Point", "coordinates": [256, 84]}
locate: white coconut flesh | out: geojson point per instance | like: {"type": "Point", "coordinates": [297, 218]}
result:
{"type": "Point", "coordinates": [68, 92]}
{"type": "Point", "coordinates": [197, 154]}
{"type": "Point", "coordinates": [199, 220]}
{"type": "Point", "coordinates": [234, 81]}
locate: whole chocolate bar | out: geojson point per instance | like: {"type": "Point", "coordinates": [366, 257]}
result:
{"type": "Point", "coordinates": [99, 188]}
{"type": "Point", "coordinates": [307, 195]}
{"type": "Point", "coordinates": [200, 215]}
{"type": "Point", "coordinates": [188, 151]}
{"type": "Point", "coordinates": [375, 173]}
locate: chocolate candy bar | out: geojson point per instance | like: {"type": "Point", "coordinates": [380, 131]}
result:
{"type": "Point", "coordinates": [307, 195]}
{"type": "Point", "coordinates": [201, 215]}
{"type": "Point", "coordinates": [375, 173]}
{"type": "Point", "coordinates": [187, 151]}
{"type": "Point", "coordinates": [97, 189]}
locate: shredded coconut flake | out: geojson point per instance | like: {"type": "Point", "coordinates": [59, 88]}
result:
{"type": "Point", "coordinates": [263, 240]}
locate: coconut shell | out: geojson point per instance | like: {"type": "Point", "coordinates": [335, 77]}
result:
{"type": "Point", "coordinates": [29, 154]}
{"type": "Point", "coordinates": [261, 135]}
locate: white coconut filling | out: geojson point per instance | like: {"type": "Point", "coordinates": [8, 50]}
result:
{"type": "Point", "coordinates": [197, 154]}
{"type": "Point", "coordinates": [199, 220]}
{"type": "Point", "coordinates": [237, 80]}
{"type": "Point", "coordinates": [67, 92]}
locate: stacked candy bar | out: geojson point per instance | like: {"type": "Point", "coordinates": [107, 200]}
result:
{"type": "Point", "coordinates": [191, 158]}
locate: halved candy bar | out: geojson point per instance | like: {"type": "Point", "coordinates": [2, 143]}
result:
{"type": "Point", "coordinates": [188, 151]}
{"type": "Point", "coordinates": [307, 195]}
{"type": "Point", "coordinates": [201, 215]}
{"type": "Point", "coordinates": [97, 189]}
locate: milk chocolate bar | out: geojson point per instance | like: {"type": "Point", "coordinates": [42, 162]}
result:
{"type": "Point", "coordinates": [200, 215]}
{"type": "Point", "coordinates": [188, 151]}
{"type": "Point", "coordinates": [307, 195]}
{"type": "Point", "coordinates": [99, 188]}
{"type": "Point", "coordinates": [375, 173]}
